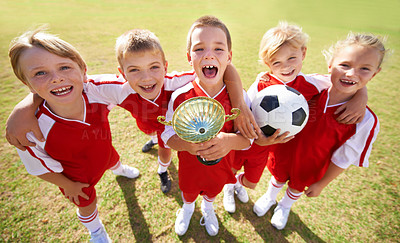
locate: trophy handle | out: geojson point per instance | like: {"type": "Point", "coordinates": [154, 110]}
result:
{"type": "Point", "coordinates": [161, 119]}
{"type": "Point", "coordinates": [236, 113]}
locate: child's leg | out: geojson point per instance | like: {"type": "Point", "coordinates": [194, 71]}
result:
{"type": "Point", "coordinates": [231, 189]}
{"type": "Point", "coordinates": [185, 213]}
{"type": "Point", "coordinates": [209, 218]}
{"type": "Point", "coordinates": [125, 170]}
{"type": "Point", "coordinates": [266, 201]}
{"type": "Point", "coordinates": [281, 212]}
{"type": "Point", "coordinates": [150, 144]}
{"type": "Point", "coordinates": [89, 217]}
{"type": "Point", "coordinates": [164, 160]}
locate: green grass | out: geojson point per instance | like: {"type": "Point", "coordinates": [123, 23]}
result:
{"type": "Point", "coordinates": [361, 205]}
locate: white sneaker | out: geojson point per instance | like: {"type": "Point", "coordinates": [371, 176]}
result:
{"type": "Point", "coordinates": [128, 171]}
{"type": "Point", "coordinates": [241, 193]}
{"type": "Point", "coordinates": [229, 198]}
{"type": "Point", "coordinates": [262, 205]}
{"type": "Point", "coordinates": [280, 217]}
{"type": "Point", "coordinates": [182, 221]}
{"type": "Point", "coordinates": [209, 220]}
{"type": "Point", "coordinates": [100, 236]}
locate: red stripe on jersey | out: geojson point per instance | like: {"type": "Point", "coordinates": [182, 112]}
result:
{"type": "Point", "coordinates": [369, 140]}
{"type": "Point", "coordinates": [179, 75]}
{"type": "Point", "coordinates": [41, 161]}
{"type": "Point", "coordinates": [104, 82]}
{"type": "Point", "coordinates": [88, 219]}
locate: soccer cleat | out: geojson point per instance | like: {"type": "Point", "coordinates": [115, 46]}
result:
{"type": "Point", "coordinates": [165, 182]}
{"type": "Point", "coordinates": [128, 171]}
{"type": "Point", "coordinates": [280, 217]}
{"type": "Point", "coordinates": [182, 221]}
{"type": "Point", "coordinates": [262, 205]}
{"type": "Point", "coordinates": [241, 193]}
{"type": "Point", "coordinates": [229, 199]}
{"type": "Point", "coordinates": [148, 146]}
{"type": "Point", "coordinates": [100, 236]}
{"type": "Point", "coordinates": [209, 220]}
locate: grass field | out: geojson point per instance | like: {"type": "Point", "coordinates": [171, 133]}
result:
{"type": "Point", "coordinates": [361, 205]}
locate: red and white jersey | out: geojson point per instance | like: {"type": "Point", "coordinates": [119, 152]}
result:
{"type": "Point", "coordinates": [115, 90]}
{"type": "Point", "coordinates": [81, 150]}
{"type": "Point", "coordinates": [195, 177]}
{"type": "Point", "coordinates": [307, 85]}
{"type": "Point", "coordinates": [323, 140]}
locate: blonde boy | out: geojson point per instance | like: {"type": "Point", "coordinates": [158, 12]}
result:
{"type": "Point", "coordinates": [209, 53]}
{"type": "Point", "coordinates": [74, 157]}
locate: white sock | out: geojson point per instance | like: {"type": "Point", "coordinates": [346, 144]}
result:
{"type": "Point", "coordinates": [207, 203]}
{"type": "Point", "coordinates": [189, 206]}
{"type": "Point", "coordinates": [91, 222]}
{"type": "Point", "coordinates": [117, 168]}
{"type": "Point", "coordinates": [289, 198]}
{"type": "Point", "coordinates": [239, 180]}
{"type": "Point", "coordinates": [162, 167]}
{"type": "Point", "coordinates": [154, 138]}
{"type": "Point", "coordinates": [273, 189]}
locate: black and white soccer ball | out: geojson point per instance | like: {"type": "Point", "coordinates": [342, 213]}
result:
{"type": "Point", "coordinates": [280, 106]}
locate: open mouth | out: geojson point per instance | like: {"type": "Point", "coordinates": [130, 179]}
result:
{"type": "Point", "coordinates": [148, 88]}
{"type": "Point", "coordinates": [61, 91]}
{"type": "Point", "coordinates": [210, 71]}
{"type": "Point", "coordinates": [347, 82]}
{"type": "Point", "coordinates": [287, 73]}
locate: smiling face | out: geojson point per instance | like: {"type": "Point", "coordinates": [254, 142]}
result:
{"type": "Point", "coordinates": [56, 79]}
{"type": "Point", "coordinates": [145, 72]}
{"type": "Point", "coordinates": [287, 62]}
{"type": "Point", "coordinates": [209, 55]}
{"type": "Point", "coordinates": [352, 67]}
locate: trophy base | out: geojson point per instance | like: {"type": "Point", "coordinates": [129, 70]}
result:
{"type": "Point", "coordinates": [208, 162]}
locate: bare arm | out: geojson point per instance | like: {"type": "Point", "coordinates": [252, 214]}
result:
{"type": "Point", "coordinates": [354, 109]}
{"type": "Point", "coordinates": [176, 143]}
{"type": "Point", "coordinates": [72, 189]}
{"type": "Point", "coordinates": [222, 144]}
{"type": "Point", "coordinates": [315, 189]}
{"type": "Point", "coordinates": [23, 120]}
{"type": "Point", "coordinates": [245, 122]}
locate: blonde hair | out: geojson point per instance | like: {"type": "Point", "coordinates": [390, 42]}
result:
{"type": "Point", "coordinates": [39, 38]}
{"type": "Point", "coordinates": [276, 37]}
{"type": "Point", "coordinates": [137, 40]}
{"type": "Point", "coordinates": [366, 40]}
{"type": "Point", "coordinates": [208, 21]}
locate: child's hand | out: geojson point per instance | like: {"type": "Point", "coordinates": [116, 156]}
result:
{"type": "Point", "coordinates": [246, 123]}
{"type": "Point", "coordinates": [314, 190]}
{"type": "Point", "coordinates": [74, 191]}
{"type": "Point", "coordinates": [18, 125]}
{"type": "Point", "coordinates": [217, 147]}
{"type": "Point", "coordinates": [352, 113]}
{"type": "Point", "coordinates": [273, 139]}
{"type": "Point", "coordinates": [263, 76]}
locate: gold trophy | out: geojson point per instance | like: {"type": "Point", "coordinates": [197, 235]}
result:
{"type": "Point", "coordinates": [198, 120]}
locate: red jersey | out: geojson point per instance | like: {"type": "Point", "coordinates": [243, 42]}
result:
{"type": "Point", "coordinates": [321, 141]}
{"type": "Point", "coordinates": [256, 156]}
{"type": "Point", "coordinates": [195, 177]}
{"type": "Point", "coordinates": [80, 150]}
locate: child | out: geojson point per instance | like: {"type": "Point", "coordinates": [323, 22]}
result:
{"type": "Point", "coordinates": [334, 146]}
{"type": "Point", "coordinates": [282, 49]}
{"type": "Point", "coordinates": [78, 148]}
{"type": "Point", "coordinates": [148, 88]}
{"type": "Point", "coordinates": [209, 52]}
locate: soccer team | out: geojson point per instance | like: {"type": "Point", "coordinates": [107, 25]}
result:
{"type": "Point", "coordinates": [62, 133]}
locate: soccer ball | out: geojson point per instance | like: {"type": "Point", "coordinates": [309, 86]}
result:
{"type": "Point", "coordinates": [280, 106]}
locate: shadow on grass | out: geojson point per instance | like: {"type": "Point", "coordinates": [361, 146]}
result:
{"type": "Point", "coordinates": [138, 223]}
{"type": "Point", "coordinates": [267, 232]}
